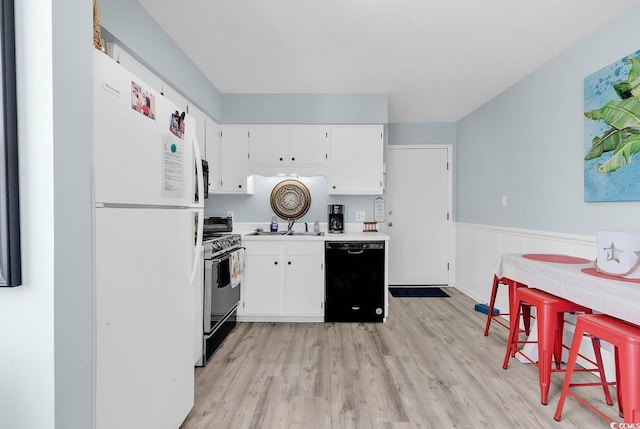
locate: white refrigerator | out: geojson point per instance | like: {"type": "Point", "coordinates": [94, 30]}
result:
{"type": "Point", "coordinates": [147, 253]}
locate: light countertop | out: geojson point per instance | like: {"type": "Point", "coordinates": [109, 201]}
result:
{"type": "Point", "coordinates": [353, 232]}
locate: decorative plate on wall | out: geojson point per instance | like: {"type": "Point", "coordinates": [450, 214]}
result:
{"type": "Point", "coordinates": [290, 199]}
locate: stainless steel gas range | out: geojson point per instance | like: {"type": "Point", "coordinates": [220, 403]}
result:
{"type": "Point", "coordinates": [221, 297]}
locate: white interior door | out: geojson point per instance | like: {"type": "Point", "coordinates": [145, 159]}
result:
{"type": "Point", "coordinates": [418, 214]}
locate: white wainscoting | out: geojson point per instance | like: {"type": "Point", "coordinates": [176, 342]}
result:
{"type": "Point", "coordinates": [477, 251]}
{"type": "Point", "coordinates": [478, 248]}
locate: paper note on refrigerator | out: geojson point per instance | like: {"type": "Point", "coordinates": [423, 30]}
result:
{"type": "Point", "coordinates": [172, 166]}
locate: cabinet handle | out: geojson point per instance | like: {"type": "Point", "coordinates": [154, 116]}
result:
{"type": "Point", "coordinates": [293, 159]}
{"type": "Point", "coordinates": [334, 186]}
{"type": "Point", "coordinates": [281, 159]}
{"type": "Point", "coordinates": [240, 186]}
{"type": "Point", "coordinates": [289, 263]}
{"type": "Point", "coordinates": [275, 263]}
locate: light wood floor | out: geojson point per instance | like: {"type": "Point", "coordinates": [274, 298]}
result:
{"type": "Point", "coordinates": [429, 366]}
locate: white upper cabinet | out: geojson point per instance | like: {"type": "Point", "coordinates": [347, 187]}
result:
{"type": "Point", "coordinates": [356, 160]}
{"type": "Point", "coordinates": [201, 126]}
{"type": "Point", "coordinates": [268, 145]}
{"type": "Point", "coordinates": [174, 96]}
{"type": "Point", "coordinates": [234, 144]}
{"type": "Point", "coordinates": [309, 144]}
{"type": "Point", "coordinates": [213, 151]}
{"type": "Point", "coordinates": [288, 149]}
{"type": "Point", "coordinates": [127, 60]}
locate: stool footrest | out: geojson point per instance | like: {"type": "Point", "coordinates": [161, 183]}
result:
{"type": "Point", "coordinates": [608, 383]}
{"type": "Point", "coordinates": [550, 323]}
{"type": "Point", "coordinates": [588, 405]}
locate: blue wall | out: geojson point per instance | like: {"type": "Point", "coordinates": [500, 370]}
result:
{"type": "Point", "coordinates": [304, 109]}
{"type": "Point", "coordinates": [257, 207]}
{"type": "Point", "coordinates": [422, 133]}
{"type": "Point", "coordinates": [527, 144]}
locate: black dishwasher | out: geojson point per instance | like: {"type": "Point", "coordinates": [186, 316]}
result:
{"type": "Point", "coordinates": [354, 281]}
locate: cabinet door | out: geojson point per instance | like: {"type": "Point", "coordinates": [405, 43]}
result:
{"type": "Point", "coordinates": [174, 96]}
{"type": "Point", "coordinates": [269, 145]}
{"type": "Point", "coordinates": [303, 285]}
{"type": "Point", "coordinates": [200, 119]}
{"type": "Point", "coordinates": [261, 285]}
{"type": "Point", "coordinates": [213, 150]}
{"type": "Point", "coordinates": [356, 160]}
{"type": "Point", "coordinates": [233, 166]}
{"type": "Point", "coordinates": [309, 145]}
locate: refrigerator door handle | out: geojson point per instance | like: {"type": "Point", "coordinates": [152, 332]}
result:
{"type": "Point", "coordinates": [199, 172]}
{"type": "Point", "coordinates": [198, 249]}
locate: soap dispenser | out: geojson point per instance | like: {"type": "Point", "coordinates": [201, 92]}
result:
{"type": "Point", "coordinates": [274, 224]}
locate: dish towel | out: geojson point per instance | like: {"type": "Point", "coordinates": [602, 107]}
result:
{"type": "Point", "coordinates": [236, 267]}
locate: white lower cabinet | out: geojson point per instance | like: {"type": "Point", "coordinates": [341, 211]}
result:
{"type": "Point", "coordinates": [261, 285]}
{"type": "Point", "coordinates": [283, 281]}
{"type": "Point", "coordinates": [303, 286]}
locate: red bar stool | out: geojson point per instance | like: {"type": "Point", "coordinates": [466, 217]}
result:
{"type": "Point", "coordinates": [550, 320]}
{"type": "Point", "coordinates": [513, 286]}
{"type": "Point", "coordinates": [625, 337]}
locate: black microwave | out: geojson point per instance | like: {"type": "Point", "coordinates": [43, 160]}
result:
{"type": "Point", "coordinates": [205, 177]}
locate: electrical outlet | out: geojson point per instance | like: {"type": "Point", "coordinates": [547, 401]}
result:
{"type": "Point", "coordinates": [504, 201]}
{"type": "Point", "coordinates": [359, 216]}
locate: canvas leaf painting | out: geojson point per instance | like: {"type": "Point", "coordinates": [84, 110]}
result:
{"type": "Point", "coordinates": [612, 132]}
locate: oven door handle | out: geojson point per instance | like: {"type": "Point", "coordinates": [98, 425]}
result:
{"type": "Point", "coordinates": [227, 256]}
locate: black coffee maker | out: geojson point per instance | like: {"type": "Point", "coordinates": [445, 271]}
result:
{"type": "Point", "coordinates": [336, 218]}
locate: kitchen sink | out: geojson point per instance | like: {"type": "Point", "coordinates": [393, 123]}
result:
{"type": "Point", "coordinates": [268, 233]}
{"type": "Point", "coordinates": [311, 233]}
{"type": "Point", "coordinates": [292, 233]}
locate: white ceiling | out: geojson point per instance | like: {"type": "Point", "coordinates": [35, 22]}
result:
{"type": "Point", "coordinates": [437, 60]}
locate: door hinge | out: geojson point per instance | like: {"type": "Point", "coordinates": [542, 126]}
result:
{"type": "Point", "coordinates": [447, 215]}
{"type": "Point", "coordinates": [248, 133]}
{"type": "Point", "coordinates": [242, 304]}
{"type": "Point", "coordinates": [447, 266]}
{"type": "Point", "coordinates": [326, 156]}
{"type": "Point", "coordinates": [220, 134]}
{"type": "Point", "coordinates": [326, 134]}
{"type": "Point", "coordinates": [321, 266]}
